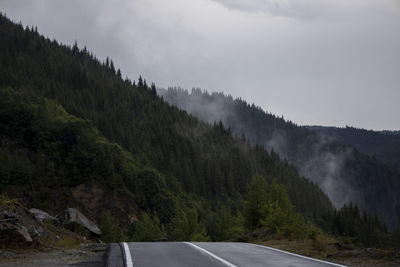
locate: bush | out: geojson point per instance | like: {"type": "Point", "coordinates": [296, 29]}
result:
{"type": "Point", "coordinates": [110, 232]}
{"type": "Point", "coordinates": [186, 227]}
{"type": "Point", "coordinates": [148, 228]}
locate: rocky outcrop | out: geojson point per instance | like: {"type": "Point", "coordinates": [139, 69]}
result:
{"type": "Point", "coordinates": [89, 202]}
{"type": "Point", "coordinates": [12, 232]}
{"type": "Point", "coordinates": [92, 199]}
{"type": "Point", "coordinates": [73, 219]}
{"type": "Point", "coordinates": [22, 228]}
{"type": "Point", "coordinates": [42, 216]}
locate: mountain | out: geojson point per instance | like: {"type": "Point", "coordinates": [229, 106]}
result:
{"type": "Point", "coordinates": [187, 159]}
{"type": "Point", "coordinates": [343, 173]}
{"type": "Point", "coordinates": [384, 145]}
{"type": "Point", "coordinates": [73, 132]}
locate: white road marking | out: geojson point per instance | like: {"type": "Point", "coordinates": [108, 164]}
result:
{"type": "Point", "coordinates": [304, 257]}
{"type": "Point", "coordinates": [128, 258]}
{"type": "Point", "coordinates": [227, 263]}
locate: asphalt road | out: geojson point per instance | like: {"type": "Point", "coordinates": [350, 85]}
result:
{"type": "Point", "coordinates": [204, 254]}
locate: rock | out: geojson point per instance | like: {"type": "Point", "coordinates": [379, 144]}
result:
{"type": "Point", "coordinates": [42, 215]}
{"type": "Point", "coordinates": [24, 233]}
{"type": "Point", "coordinates": [14, 234]}
{"type": "Point", "coordinates": [72, 216]}
{"type": "Point", "coordinates": [7, 215]}
{"type": "Point", "coordinates": [20, 228]}
{"type": "Point", "coordinates": [10, 215]}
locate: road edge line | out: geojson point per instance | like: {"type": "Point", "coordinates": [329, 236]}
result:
{"type": "Point", "coordinates": [107, 255]}
{"type": "Point", "coordinates": [301, 256]}
{"type": "Point", "coordinates": [211, 254]}
{"type": "Point", "coordinates": [128, 257]}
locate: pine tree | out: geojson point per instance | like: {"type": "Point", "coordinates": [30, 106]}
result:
{"type": "Point", "coordinates": [256, 199]}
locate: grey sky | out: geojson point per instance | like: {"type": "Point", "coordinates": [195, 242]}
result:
{"type": "Point", "coordinates": [327, 62]}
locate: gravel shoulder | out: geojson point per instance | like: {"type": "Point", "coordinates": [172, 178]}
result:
{"type": "Point", "coordinates": [90, 254]}
{"type": "Point", "coordinates": [351, 257]}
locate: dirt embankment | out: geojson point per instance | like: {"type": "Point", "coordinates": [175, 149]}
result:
{"type": "Point", "coordinates": [94, 198]}
{"type": "Point", "coordinates": [91, 198]}
{"type": "Point", "coordinates": [26, 238]}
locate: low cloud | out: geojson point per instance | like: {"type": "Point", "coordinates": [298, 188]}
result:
{"type": "Point", "coordinates": [298, 9]}
{"type": "Point", "coordinates": [330, 62]}
{"type": "Point", "coordinates": [327, 170]}
{"type": "Point", "coordinates": [312, 155]}
{"type": "Point", "coordinates": [319, 165]}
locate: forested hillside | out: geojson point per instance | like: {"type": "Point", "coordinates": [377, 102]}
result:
{"type": "Point", "coordinates": [67, 119]}
{"type": "Point", "coordinates": [341, 171]}
{"type": "Point", "coordinates": [384, 145]}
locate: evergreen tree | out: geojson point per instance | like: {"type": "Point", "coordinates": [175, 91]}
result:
{"type": "Point", "coordinates": [256, 199]}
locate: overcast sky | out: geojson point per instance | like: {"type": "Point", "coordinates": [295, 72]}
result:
{"type": "Point", "coordinates": [326, 62]}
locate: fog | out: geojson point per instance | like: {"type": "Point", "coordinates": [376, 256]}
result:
{"type": "Point", "coordinates": [310, 154]}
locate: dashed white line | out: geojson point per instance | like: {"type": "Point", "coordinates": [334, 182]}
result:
{"type": "Point", "coordinates": [128, 257]}
{"type": "Point", "coordinates": [227, 263]}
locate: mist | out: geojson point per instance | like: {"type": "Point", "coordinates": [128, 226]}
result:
{"type": "Point", "coordinates": [313, 160]}
{"type": "Point", "coordinates": [337, 169]}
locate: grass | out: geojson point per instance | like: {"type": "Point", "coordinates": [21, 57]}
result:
{"type": "Point", "coordinates": [8, 202]}
{"type": "Point", "coordinates": [66, 243]}
{"type": "Point", "coordinates": [309, 248]}
{"type": "Point", "coordinates": [325, 247]}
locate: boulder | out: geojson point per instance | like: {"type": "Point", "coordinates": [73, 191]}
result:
{"type": "Point", "coordinates": [7, 215]}
{"type": "Point", "coordinates": [17, 227]}
{"type": "Point", "coordinates": [23, 233]}
{"type": "Point", "coordinates": [10, 215]}
{"type": "Point", "coordinates": [42, 215]}
{"type": "Point", "coordinates": [12, 234]}
{"type": "Point", "coordinates": [72, 217]}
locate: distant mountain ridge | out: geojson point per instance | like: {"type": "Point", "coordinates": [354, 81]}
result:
{"type": "Point", "coordinates": [345, 174]}
{"type": "Point", "coordinates": [384, 145]}
{"type": "Point", "coordinates": [390, 132]}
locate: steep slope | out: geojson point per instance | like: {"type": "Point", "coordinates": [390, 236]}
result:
{"type": "Point", "coordinates": [384, 145]}
{"type": "Point", "coordinates": [52, 160]}
{"type": "Point", "coordinates": [185, 163]}
{"type": "Point", "coordinates": [342, 172]}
